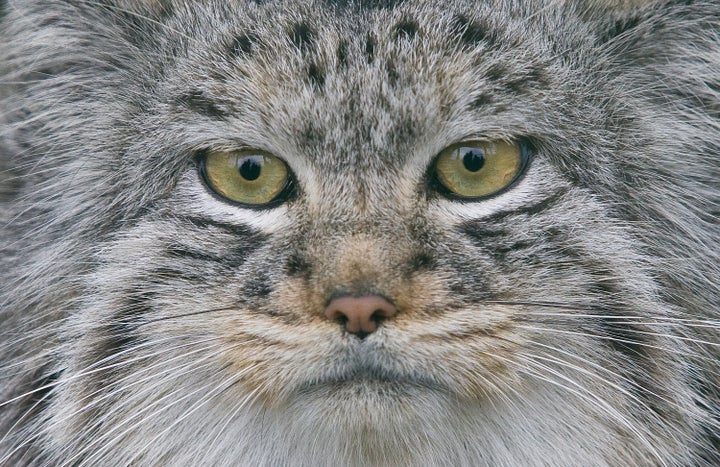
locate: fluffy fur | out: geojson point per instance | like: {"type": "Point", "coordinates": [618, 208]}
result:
{"type": "Point", "coordinates": [570, 320]}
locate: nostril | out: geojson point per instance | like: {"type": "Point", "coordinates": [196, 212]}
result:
{"type": "Point", "coordinates": [360, 315]}
{"type": "Point", "coordinates": [378, 316]}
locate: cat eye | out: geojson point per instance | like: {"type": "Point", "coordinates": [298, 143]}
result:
{"type": "Point", "coordinates": [479, 169]}
{"type": "Point", "coordinates": [253, 178]}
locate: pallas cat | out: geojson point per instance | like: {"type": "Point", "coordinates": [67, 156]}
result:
{"type": "Point", "coordinates": [363, 233]}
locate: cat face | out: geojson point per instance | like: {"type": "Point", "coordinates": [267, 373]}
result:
{"type": "Point", "coordinates": [359, 235]}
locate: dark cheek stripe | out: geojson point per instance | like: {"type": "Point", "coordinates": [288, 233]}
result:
{"type": "Point", "coordinates": [536, 208]}
{"type": "Point", "coordinates": [487, 228]}
{"type": "Point", "coordinates": [39, 389]}
{"type": "Point", "coordinates": [233, 258]}
{"type": "Point", "coordinates": [258, 285]}
{"type": "Point", "coordinates": [297, 265]}
{"type": "Point", "coordinates": [121, 333]}
{"type": "Point", "coordinates": [179, 263]}
{"type": "Point", "coordinates": [237, 230]}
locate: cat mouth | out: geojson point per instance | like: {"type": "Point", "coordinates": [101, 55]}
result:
{"type": "Point", "coordinates": [375, 380]}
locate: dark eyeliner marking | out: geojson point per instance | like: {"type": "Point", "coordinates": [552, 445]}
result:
{"type": "Point", "coordinates": [532, 209]}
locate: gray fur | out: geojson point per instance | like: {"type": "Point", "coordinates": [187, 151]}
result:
{"type": "Point", "coordinates": [571, 320]}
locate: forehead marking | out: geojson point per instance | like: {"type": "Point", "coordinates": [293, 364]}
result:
{"type": "Point", "coordinates": [316, 75]}
{"type": "Point", "coordinates": [197, 101]}
{"type": "Point", "coordinates": [342, 54]}
{"type": "Point", "coordinates": [302, 35]}
{"type": "Point", "coordinates": [406, 29]}
{"type": "Point", "coordinates": [370, 44]}
{"type": "Point", "coordinates": [472, 32]}
{"type": "Point", "coordinates": [242, 45]}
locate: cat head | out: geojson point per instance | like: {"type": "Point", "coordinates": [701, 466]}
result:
{"type": "Point", "coordinates": [278, 227]}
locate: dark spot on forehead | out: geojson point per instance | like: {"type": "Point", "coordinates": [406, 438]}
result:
{"type": "Point", "coordinates": [316, 75]}
{"type": "Point", "coordinates": [406, 29]}
{"type": "Point", "coordinates": [370, 44]}
{"type": "Point", "coordinates": [391, 71]}
{"type": "Point", "coordinates": [519, 81]}
{"type": "Point", "coordinates": [516, 86]}
{"type": "Point", "coordinates": [473, 32]}
{"type": "Point", "coordinates": [197, 101]}
{"type": "Point", "coordinates": [312, 134]}
{"type": "Point", "coordinates": [481, 101]}
{"type": "Point", "coordinates": [619, 27]}
{"type": "Point", "coordinates": [342, 54]}
{"type": "Point", "coordinates": [242, 45]}
{"type": "Point", "coordinates": [302, 35]}
{"type": "Point", "coordinates": [497, 72]}
{"type": "Point", "coordinates": [404, 127]}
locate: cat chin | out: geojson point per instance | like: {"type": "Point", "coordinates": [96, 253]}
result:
{"type": "Point", "coordinates": [381, 423]}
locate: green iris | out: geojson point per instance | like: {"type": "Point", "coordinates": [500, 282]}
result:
{"type": "Point", "coordinates": [479, 169]}
{"type": "Point", "coordinates": [247, 177]}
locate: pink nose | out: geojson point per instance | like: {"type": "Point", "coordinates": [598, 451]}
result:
{"type": "Point", "coordinates": [360, 315]}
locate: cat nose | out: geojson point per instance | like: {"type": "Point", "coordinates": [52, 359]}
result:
{"type": "Point", "coordinates": [360, 315]}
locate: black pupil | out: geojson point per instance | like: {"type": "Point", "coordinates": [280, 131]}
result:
{"type": "Point", "coordinates": [473, 159]}
{"type": "Point", "coordinates": [250, 168]}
